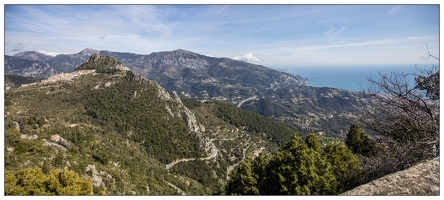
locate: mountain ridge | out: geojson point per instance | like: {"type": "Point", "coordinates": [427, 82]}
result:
{"type": "Point", "coordinates": [279, 95]}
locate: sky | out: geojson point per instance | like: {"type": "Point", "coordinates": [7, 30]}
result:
{"type": "Point", "coordinates": [277, 36]}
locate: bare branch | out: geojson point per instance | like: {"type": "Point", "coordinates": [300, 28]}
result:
{"type": "Point", "coordinates": [429, 55]}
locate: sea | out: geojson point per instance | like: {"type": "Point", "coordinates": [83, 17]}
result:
{"type": "Point", "coordinates": [352, 78]}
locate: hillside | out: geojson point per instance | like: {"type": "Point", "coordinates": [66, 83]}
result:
{"type": "Point", "coordinates": [279, 95]}
{"type": "Point", "coordinates": [127, 134]}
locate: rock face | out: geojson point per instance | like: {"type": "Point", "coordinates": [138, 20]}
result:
{"type": "Point", "coordinates": [102, 64]}
{"type": "Point", "coordinates": [422, 179]}
{"type": "Point", "coordinates": [63, 77]}
{"type": "Point", "coordinates": [192, 123]}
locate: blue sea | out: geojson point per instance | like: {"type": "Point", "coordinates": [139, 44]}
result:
{"type": "Point", "coordinates": [351, 78]}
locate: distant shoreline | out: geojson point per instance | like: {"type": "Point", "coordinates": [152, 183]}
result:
{"type": "Point", "coordinates": [350, 78]}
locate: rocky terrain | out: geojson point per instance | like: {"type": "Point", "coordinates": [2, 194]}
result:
{"type": "Point", "coordinates": [422, 179]}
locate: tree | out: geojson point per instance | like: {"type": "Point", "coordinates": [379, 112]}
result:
{"type": "Point", "coordinates": [261, 170]}
{"type": "Point", "coordinates": [32, 181]}
{"type": "Point", "coordinates": [243, 180]}
{"type": "Point", "coordinates": [407, 113]}
{"type": "Point", "coordinates": [297, 169]}
{"type": "Point", "coordinates": [429, 84]}
{"type": "Point", "coordinates": [313, 142]}
{"type": "Point", "coordinates": [345, 165]}
{"type": "Point", "coordinates": [406, 121]}
{"type": "Point", "coordinates": [29, 181]}
{"type": "Point", "coordinates": [357, 140]}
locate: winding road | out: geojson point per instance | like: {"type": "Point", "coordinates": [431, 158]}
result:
{"type": "Point", "coordinates": [175, 187]}
{"type": "Point", "coordinates": [249, 99]}
{"type": "Point", "coordinates": [213, 154]}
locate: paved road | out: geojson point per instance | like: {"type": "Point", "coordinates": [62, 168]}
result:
{"type": "Point", "coordinates": [175, 187]}
{"type": "Point", "coordinates": [251, 98]}
{"type": "Point", "coordinates": [213, 154]}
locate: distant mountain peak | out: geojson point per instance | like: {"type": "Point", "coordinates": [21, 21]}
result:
{"type": "Point", "coordinates": [33, 55]}
{"type": "Point", "coordinates": [102, 64]}
{"type": "Point", "coordinates": [88, 52]}
{"type": "Point", "coordinates": [180, 53]}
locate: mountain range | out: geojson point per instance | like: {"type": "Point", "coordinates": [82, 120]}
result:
{"type": "Point", "coordinates": [275, 94]}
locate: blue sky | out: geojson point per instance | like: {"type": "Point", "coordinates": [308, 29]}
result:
{"type": "Point", "coordinates": [279, 36]}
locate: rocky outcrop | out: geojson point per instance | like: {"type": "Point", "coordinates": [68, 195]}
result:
{"type": "Point", "coordinates": [422, 179]}
{"type": "Point", "coordinates": [193, 125]}
{"type": "Point", "coordinates": [63, 77]}
{"type": "Point", "coordinates": [99, 178]}
{"type": "Point", "coordinates": [102, 64]}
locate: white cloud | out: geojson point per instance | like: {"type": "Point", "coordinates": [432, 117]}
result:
{"type": "Point", "coordinates": [247, 57]}
{"type": "Point", "coordinates": [50, 53]}
{"type": "Point", "coordinates": [18, 48]}
{"type": "Point", "coordinates": [336, 30]}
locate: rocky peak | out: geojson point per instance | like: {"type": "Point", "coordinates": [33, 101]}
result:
{"type": "Point", "coordinates": [97, 57]}
{"type": "Point", "coordinates": [102, 64]}
{"type": "Point", "coordinates": [183, 52]}
{"type": "Point", "coordinates": [87, 52]}
{"type": "Point", "coordinates": [179, 53]}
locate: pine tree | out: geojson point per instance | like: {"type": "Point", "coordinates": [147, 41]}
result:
{"type": "Point", "coordinates": [358, 141]}
{"type": "Point", "coordinates": [261, 170]}
{"type": "Point", "coordinates": [242, 180]}
{"type": "Point", "coordinates": [297, 169]}
{"type": "Point", "coordinates": [313, 142]}
{"type": "Point", "coordinates": [32, 181]}
{"type": "Point", "coordinates": [345, 165]}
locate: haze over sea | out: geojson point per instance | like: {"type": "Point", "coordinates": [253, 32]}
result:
{"type": "Point", "coordinates": [351, 78]}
